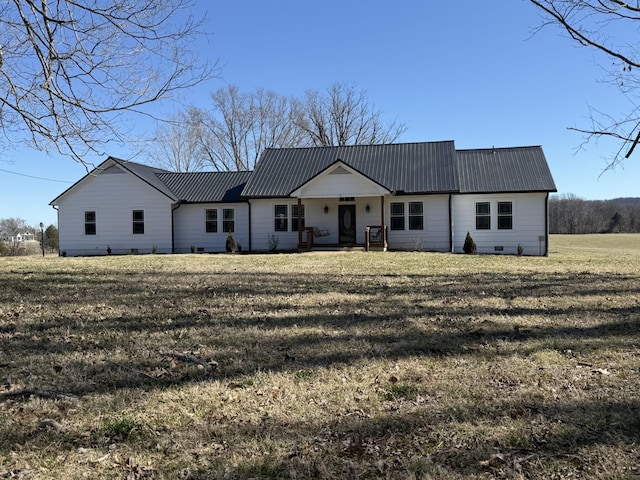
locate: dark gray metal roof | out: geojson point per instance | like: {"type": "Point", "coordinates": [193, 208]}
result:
{"type": "Point", "coordinates": [147, 174]}
{"type": "Point", "coordinates": [407, 167]}
{"type": "Point", "coordinates": [144, 172]}
{"type": "Point", "coordinates": [520, 169]}
{"type": "Point", "coordinates": [203, 187]}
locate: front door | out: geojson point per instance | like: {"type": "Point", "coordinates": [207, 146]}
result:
{"type": "Point", "coordinates": [347, 223]}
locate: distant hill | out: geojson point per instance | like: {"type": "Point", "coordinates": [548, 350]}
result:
{"type": "Point", "coordinates": [626, 200]}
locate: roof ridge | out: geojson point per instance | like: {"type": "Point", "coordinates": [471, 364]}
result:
{"type": "Point", "coordinates": [361, 145]}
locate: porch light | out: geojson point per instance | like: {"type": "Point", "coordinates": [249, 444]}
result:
{"type": "Point", "coordinates": [326, 209]}
{"type": "Point", "coordinates": [367, 208]}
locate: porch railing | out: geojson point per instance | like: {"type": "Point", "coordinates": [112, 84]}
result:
{"type": "Point", "coordinates": [375, 237]}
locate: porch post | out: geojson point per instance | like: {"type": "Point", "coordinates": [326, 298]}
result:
{"type": "Point", "coordinates": [299, 221]}
{"type": "Point", "coordinates": [384, 230]}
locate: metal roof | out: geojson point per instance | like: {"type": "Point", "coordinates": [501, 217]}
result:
{"type": "Point", "coordinates": [407, 168]}
{"type": "Point", "coordinates": [144, 172]}
{"type": "Point", "coordinates": [148, 174]}
{"type": "Point", "coordinates": [202, 187]}
{"type": "Point", "coordinates": [426, 167]}
{"type": "Point", "coordinates": [519, 169]}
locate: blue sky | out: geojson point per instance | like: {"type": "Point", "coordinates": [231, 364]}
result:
{"type": "Point", "coordinates": [467, 71]}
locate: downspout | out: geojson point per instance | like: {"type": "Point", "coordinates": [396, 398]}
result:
{"type": "Point", "coordinates": [249, 214]}
{"type": "Point", "coordinates": [450, 223]}
{"type": "Point", "coordinates": [385, 244]}
{"type": "Point", "coordinates": [546, 225]}
{"type": "Point", "coordinates": [58, 223]}
{"type": "Point", "coordinates": [173, 235]}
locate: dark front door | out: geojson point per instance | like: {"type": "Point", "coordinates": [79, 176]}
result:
{"type": "Point", "coordinates": [347, 223]}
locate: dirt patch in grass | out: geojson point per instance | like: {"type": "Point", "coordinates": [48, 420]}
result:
{"type": "Point", "coordinates": [398, 365]}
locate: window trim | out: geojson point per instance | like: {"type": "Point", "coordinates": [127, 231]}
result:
{"type": "Point", "coordinates": [226, 221]}
{"type": "Point", "coordinates": [295, 218]}
{"type": "Point", "coordinates": [504, 216]}
{"type": "Point", "coordinates": [211, 224]}
{"type": "Point", "coordinates": [414, 216]}
{"type": "Point", "coordinates": [88, 222]}
{"type": "Point", "coordinates": [483, 216]}
{"type": "Point", "coordinates": [396, 216]}
{"type": "Point", "coordinates": [280, 222]}
{"type": "Point", "coordinates": [137, 222]}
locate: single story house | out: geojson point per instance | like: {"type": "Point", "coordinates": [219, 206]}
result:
{"type": "Point", "coordinates": [410, 196]}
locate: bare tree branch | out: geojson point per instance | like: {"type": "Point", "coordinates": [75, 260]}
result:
{"type": "Point", "coordinates": [600, 25]}
{"type": "Point", "coordinates": [343, 117]}
{"type": "Point", "coordinates": [70, 70]}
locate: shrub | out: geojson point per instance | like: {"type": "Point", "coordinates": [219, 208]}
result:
{"type": "Point", "coordinates": [469, 245]}
{"type": "Point", "coordinates": [520, 249]}
{"type": "Point", "coordinates": [231, 244]}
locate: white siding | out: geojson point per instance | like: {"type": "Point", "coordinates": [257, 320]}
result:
{"type": "Point", "coordinates": [435, 234]}
{"type": "Point", "coordinates": [189, 227]}
{"type": "Point", "coordinates": [529, 223]}
{"type": "Point", "coordinates": [113, 195]}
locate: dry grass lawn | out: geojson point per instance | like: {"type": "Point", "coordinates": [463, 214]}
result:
{"type": "Point", "coordinates": [357, 365]}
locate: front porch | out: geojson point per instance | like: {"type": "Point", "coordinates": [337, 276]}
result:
{"type": "Point", "coordinates": [340, 208]}
{"type": "Point", "coordinates": [375, 240]}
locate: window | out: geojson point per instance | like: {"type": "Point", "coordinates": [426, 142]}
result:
{"type": "Point", "coordinates": [416, 217]}
{"type": "Point", "coordinates": [138, 222]}
{"type": "Point", "coordinates": [280, 222]}
{"type": "Point", "coordinates": [211, 221]}
{"type": "Point", "coordinates": [505, 216]}
{"type": "Point", "coordinates": [228, 222]}
{"type": "Point", "coordinates": [347, 199]}
{"type": "Point", "coordinates": [397, 216]}
{"type": "Point", "coordinates": [483, 215]}
{"type": "Point", "coordinates": [295, 218]}
{"type": "Point", "coordinates": [89, 223]}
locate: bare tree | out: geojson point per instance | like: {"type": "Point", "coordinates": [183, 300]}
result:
{"type": "Point", "coordinates": [10, 227]}
{"type": "Point", "coordinates": [69, 70]}
{"type": "Point", "coordinates": [177, 145]}
{"type": "Point", "coordinates": [343, 116]}
{"type": "Point", "coordinates": [235, 131]}
{"type": "Point", "coordinates": [241, 125]}
{"type": "Point", "coordinates": [605, 26]}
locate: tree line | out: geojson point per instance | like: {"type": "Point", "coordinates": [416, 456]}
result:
{"type": "Point", "coordinates": [570, 214]}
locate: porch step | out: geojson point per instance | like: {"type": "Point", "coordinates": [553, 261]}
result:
{"type": "Point", "coordinates": [338, 248]}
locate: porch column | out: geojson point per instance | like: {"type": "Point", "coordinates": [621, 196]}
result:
{"type": "Point", "coordinates": [299, 221]}
{"type": "Point", "coordinates": [384, 230]}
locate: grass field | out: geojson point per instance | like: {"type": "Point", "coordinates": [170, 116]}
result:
{"type": "Point", "coordinates": [356, 365]}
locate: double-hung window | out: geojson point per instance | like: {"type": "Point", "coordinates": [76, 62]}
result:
{"type": "Point", "coordinates": [297, 218]}
{"type": "Point", "coordinates": [505, 215]}
{"type": "Point", "coordinates": [211, 220]}
{"type": "Point", "coordinates": [416, 216]}
{"type": "Point", "coordinates": [228, 220]}
{"type": "Point", "coordinates": [397, 216]}
{"type": "Point", "coordinates": [138, 222]}
{"type": "Point", "coordinates": [89, 223]}
{"type": "Point", "coordinates": [483, 215]}
{"type": "Point", "coordinates": [280, 218]}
